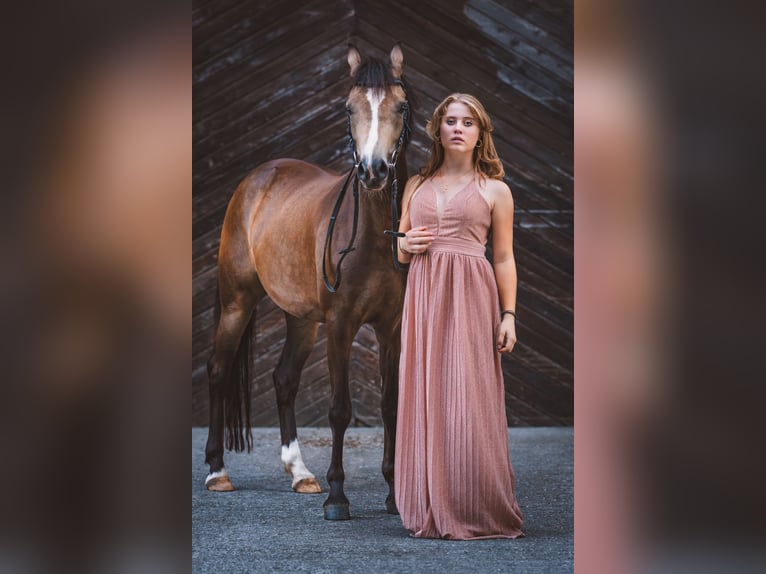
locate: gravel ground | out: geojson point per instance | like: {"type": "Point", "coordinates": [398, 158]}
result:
{"type": "Point", "coordinates": [264, 527]}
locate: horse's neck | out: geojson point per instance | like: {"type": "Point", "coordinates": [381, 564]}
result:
{"type": "Point", "coordinates": [376, 209]}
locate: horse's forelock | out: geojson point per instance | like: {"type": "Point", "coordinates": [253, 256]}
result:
{"type": "Point", "coordinates": [373, 74]}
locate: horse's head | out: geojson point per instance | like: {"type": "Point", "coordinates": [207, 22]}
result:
{"type": "Point", "coordinates": [378, 116]}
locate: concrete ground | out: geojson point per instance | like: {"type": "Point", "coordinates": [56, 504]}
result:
{"type": "Point", "coordinates": [264, 527]}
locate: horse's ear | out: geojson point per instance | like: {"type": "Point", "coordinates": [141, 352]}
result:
{"type": "Point", "coordinates": [354, 59]}
{"type": "Point", "coordinates": [396, 60]}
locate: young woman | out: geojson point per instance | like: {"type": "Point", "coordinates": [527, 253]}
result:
{"type": "Point", "coordinates": [453, 475]}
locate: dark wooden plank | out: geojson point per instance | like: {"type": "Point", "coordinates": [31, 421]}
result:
{"type": "Point", "coordinates": [266, 102]}
{"type": "Point", "coordinates": [558, 256]}
{"type": "Point", "coordinates": [243, 19]}
{"type": "Point", "coordinates": [280, 76]}
{"type": "Point", "coordinates": [537, 389]}
{"type": "Point", "coordinates": [453, 54]}
{"type": "Point", "coordinates": [287, 139]}
{"type": "Point", "coordinates": [529, 261]}
{"type": "Point", "coordinates": [552, 228]}
{"type": "Point", "coordinates": [210, 240]}
{"type": "Point", "coordinates": [538, 360]}
{"type": "Point", "coordinates": [270, 138]}
{"type": "Point", "coordinates": [551, 309]}
{"type": "Point", "coordinates": [203, 324]}
{"type": "Point", "coordinates": [524, 412]}
{"type": "Point", "coordinates": [546, 330]}
{"type": "Point", "coordinates": [510, 46]}
{"type": "Point", "coordinates": [547, 223]}
{"type": "Point", "coordinates": [205, 12]}
{"type": "Point", "coordinates": [440, 26]}
{"type": "Point", "coordinates": [556, 353]}
{"type": "Point", "coordinates": [551, 189]}
{"type": "Point", "coordinates": [205, 260]}
{"type": "Point", "coordinates": [205, 287]}
{"type": "Point", "coordinates": [308, 35]}
{"type": "Point", "coordinates": [542, 35]}
{"type": "Point", "coordinates": [555, 17]}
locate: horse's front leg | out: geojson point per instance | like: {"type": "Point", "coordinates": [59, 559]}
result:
{"type": "Point", "coordinates": [340, 335]}
{"type": "Point", "coordinates": [390, 347]}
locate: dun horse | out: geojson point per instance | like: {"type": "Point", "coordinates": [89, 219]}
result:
{"type": "Point", "coordinates": [272, 241]}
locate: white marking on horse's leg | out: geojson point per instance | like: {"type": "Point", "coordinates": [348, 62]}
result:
{"type": "Point", "coordinates": [291, 458]}
{"type": "Point", "coordinates": [374, 97]}
{"type": "Point", "coordinates": [217, 474]}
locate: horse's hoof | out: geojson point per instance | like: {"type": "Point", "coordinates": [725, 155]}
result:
{"type": "Point", "coordinates": [219, 484]}
{"type": "Point", "coordinates": [391, 507]}
{"type": "Point", "coordinates": [336, 512]}
{"type": "Point", "coordinates": [307, 486]}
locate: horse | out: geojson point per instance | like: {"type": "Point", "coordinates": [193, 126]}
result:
{"type": "Point", "coordinates": [272, 244]}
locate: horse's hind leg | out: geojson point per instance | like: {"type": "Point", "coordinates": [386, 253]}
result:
{"type": "Point", "coordinates": [301, 335]}
{"type": "Point", "coordinates": [235, 316]}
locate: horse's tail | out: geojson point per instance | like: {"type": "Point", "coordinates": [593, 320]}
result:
{"type": "Point", "coordinates": [236, 403]}
{"type": "Point", "coordinates": [236, 394]}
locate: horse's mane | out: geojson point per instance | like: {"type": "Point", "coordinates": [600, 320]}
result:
{"type": "Point", "coordinates": [373, 73]}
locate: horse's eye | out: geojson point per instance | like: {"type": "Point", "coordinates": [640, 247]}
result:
{"type": "Point", "coordinates": [349, 110]}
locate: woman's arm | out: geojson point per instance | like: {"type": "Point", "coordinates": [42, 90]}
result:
{"type": "Point", "coordinates": [503, 261]}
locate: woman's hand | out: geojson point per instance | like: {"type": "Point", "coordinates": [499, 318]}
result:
{"type": "Point", "coordinates": [416, 240]}
{"type": "Point", "coordinates": [506, 334]}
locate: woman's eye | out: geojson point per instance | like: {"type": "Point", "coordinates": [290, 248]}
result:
{"type": "Point", "coordinates": [450, 122]}
{"type": "Point", "coordinates": [468, 124]}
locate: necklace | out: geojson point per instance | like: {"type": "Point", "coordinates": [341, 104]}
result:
{"type": "Point", "coordinates": [445, 186]}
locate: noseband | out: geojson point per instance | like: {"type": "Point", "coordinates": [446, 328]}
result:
{"type": "Point", "coordinates": [393, 232]}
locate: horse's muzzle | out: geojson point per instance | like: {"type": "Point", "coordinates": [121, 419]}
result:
{"type": "Point", "coordinates": [373, 174]}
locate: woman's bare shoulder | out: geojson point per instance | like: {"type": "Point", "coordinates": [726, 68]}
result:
{"type": "Point", "coordinates": [496, 192]}
{"type": "Point", "coordinates": [496, 188]}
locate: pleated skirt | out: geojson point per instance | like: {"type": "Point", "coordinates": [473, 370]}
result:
{"type": "Point", "coordinates": [453, 473]}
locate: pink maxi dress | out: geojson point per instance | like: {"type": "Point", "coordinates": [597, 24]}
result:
{"type": "Point", "coordinates": [453, 475]}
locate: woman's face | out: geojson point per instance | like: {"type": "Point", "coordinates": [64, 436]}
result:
{"type": "Point", "coordinates": [459, 129]}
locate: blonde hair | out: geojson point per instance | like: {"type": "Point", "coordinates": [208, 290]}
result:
{"type": "Point", "coordinates": [485, 160]}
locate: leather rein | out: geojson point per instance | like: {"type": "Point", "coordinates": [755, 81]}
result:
{"type": "Point", "coordinates": [393, 232]}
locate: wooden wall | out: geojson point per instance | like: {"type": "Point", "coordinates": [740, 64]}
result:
{"type": "Point", "coordinates": [270, 80]}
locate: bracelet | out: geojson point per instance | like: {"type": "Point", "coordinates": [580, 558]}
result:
{"type": "Point", "coordinates": [509, 312]}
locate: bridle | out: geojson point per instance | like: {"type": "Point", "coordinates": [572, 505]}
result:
{"type": "Point", "coordinates": [403, 137]}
